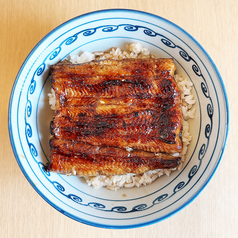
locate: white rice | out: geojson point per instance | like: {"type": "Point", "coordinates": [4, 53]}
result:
{"type": "Point", "coordinates": [135, 50]}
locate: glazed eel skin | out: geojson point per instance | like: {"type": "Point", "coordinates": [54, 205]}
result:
{"type": "Point", "coordinates": [115, 117]}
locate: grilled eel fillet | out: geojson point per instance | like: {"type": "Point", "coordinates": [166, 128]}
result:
{"type": "Point", "coordinates": [115, 117]}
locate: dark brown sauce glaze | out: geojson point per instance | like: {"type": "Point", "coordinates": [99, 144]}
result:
{"type": "Point", "coordinates": [117, 105]}
{"type": "Point", "coordinates": [93, 160]}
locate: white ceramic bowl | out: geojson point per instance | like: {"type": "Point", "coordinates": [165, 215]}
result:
{"type": "Point", "coordinates": [30, 116]}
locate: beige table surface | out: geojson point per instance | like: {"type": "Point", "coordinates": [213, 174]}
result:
{"type": "Point", "coordinates": [214, 213]}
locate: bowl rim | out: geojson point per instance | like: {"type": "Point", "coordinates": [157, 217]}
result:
{"type": "Point", "coordinates": [84, 221]}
